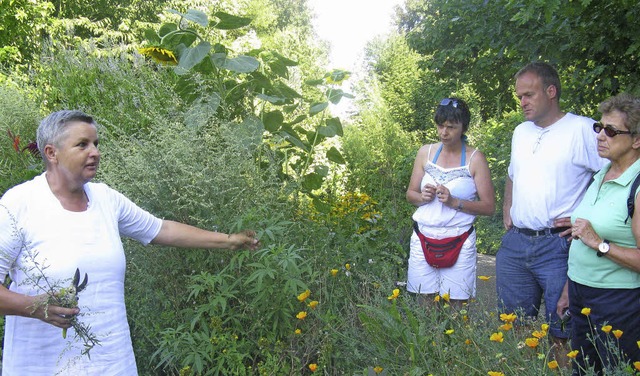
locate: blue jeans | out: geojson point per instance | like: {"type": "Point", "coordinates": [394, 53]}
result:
{"type": "Point", "coordinates": [619, 308]}
{"type": "Point", "coordinates": [529, 268]}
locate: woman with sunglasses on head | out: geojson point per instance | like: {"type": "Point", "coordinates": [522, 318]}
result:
{"type": "Point", "coordinates": [604, 258]}
{"type": "Point", "coordinates": [450, 185]}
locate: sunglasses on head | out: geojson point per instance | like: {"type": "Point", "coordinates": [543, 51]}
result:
{"type": "Point", "coordinates": [608, 130]}
{"type": "Point", "coordinates": [448, 101]}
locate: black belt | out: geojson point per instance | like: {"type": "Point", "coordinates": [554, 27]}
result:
{"type": "Point", "coordinates": [544, 231]}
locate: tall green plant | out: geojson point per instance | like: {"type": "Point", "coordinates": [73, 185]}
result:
{"type": "Point", "coordinates": [251, 90]}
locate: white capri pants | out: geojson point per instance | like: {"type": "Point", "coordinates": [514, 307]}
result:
{"type": "Point", "coordinates": [459, 280]}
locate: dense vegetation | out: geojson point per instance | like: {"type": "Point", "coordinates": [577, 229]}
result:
{"type": "Point", "coordinates": [217, 114]}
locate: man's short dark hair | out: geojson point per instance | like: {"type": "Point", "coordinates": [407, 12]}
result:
{"type": "Point", "coordinates": [546, 72]}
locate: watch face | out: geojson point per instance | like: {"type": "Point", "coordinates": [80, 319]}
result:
{"type": "Point", "coordinates": [603, 247]}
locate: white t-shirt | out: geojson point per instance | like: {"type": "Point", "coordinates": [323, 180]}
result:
{"type": "Point", "coordinates": [37, 231]}
{"type": "Point", "coordinates": [551, 168]}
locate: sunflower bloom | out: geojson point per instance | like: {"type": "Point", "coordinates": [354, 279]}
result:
{"type": "Point", "coordinates": [394, 294]}
{"type": "Point", "coordinates": [531, 342]}
{"type": "Point", "coordinates": [553, 364]}
{"type": "Point", "coordinates": [586, 311]}
{"type": "Point", "coordinates": [377, 369]}
{"type": "Point", "coordinates": [617, 333]}
{"type": "Point", "coordinates": [302, 297]}
{"type": "Point", "coordinates": [573, 354]}
{"type": "Point", "coordinates": [497, 337]}
{"type": "Point", "coordinates": [313, 367]}
{"type": "Point", "coordinates": [301, 315]}
{"type": "Point", "coordinates": [159, 55]}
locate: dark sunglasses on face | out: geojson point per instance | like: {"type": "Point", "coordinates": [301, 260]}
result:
{"type": "Point", "coordinates": [608, 130]}
{"type": "Point", "coordinates": [447, 101]}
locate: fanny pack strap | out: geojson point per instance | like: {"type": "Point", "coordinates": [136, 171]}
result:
{"type": "Point", "coordinates": [420, 235]}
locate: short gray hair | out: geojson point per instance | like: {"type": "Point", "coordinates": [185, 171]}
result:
{"type": "Point", "coordinates": [628, 105]}
{"type": "Point", "coordinates": [53, 127]}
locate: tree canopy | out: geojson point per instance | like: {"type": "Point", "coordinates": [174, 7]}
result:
{"type": "Point", "coordinates": [593, 43]}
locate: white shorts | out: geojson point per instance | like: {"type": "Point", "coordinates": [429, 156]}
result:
{"type": "Point", "coordinates": [459, 280]}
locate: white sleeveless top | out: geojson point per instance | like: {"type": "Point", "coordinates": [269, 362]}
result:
{"type": "Point", "coordinates": [461, 185]}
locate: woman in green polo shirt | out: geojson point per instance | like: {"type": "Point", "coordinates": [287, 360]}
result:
{"type": "Point", "coordinates": [603, 289]}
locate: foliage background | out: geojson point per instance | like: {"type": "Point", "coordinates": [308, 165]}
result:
{"type": "Point", "coordinates": [338, 227]}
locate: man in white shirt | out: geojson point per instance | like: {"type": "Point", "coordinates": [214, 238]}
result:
{"type": "Point", "coordinates": [553, 157]}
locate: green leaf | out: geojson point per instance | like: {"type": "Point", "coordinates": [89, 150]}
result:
{"type": "Point", "coordinates": [151, 36]}
{"type": "Point", "coordinates": [286, 61]}
{"type": "Point", "coordinates": [273, 121]}
{"type": "Point", "coordinates": [292, 137]}
{"type": "Point", "coordinates": [335, 124]}
{"type": "Point", "coordinates": [172, 41]}
{"type": "Point", "coordinates": [272, 99]}
{"type": "Point", "coordinates": [297, 120]}
{"type": "Point", "coordinates": [189, 57]}
{"type": "Point", "coordinates": [312, 181]}
{"type": "Point", "coordinates": [286, 91]}
{"type": "Point", "coordinates": [241, 64]}
{"type": "Point", "coordinates": [314, 82]}
{"type": "Point", "coordinates": [198, 17]}
{"type": "Point", "coordinates": [229, 21]}
{"type": "Point", "coordinates": [321, 206]}
{"type": "Point", "coordinates": [167, 28]}
{"type": "Point", "coordinates": [335, 156]}
{"type": "Point", "coordinates": [318, 107]}
{"type": "Point", "coordinates": [202, 110]}
{"type": "Point", "coordinates": [322, 170]}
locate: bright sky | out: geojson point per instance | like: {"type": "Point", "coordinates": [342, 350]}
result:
{"type": "Point", "coordinates": [349, 24]}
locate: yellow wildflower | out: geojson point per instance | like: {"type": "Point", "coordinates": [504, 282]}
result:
{"type": "Point", "coordinates": [302, 297]}
{"type": "Point", "coordinates": [553, 364]}
{"type": "Point", "coordinates": [637, 365]}
{"type": "Point", "coordinates": [377, 369]}
{"type": "Point", "coordinates": [394, 294]}
{"type": "Point", "coordinates": [467, 341]}
{"type": "Point", "coordinates": [159, 55]}
{"type": "Point", "coordinates": [446, 297]}
{"type": "Point", "coordinates": [449, 331]}
{"type": "Point", "coordinates": [531, 342]}
{"type": "Point", "coordinates": [617, 333]}
{"type": "Point", "coordinates": [347, 266]}
{"type": "Point", "coordinates": [573, 354]}
{"type": "Point", "coordinates": [313, 367]}
{"type": "Point", "coordinates": [313, 304]}
{"type": "Point", "coordinates": [437, 298]}
{"type": "Point", "coordinates": [539, 334]}
{"type": "Point", "coordinates": [606, 328]}
{"type": "Point", "coordinates": [334, 272]}
{"type": "Point", "coordinates": [301, 315]}
{"type": "Point", "coordinates": [544, 327]}
{"type": "Point", "coordinates": [298, 331]}
{"type": "Point", "coordinates": [484, 277]}
{"type": "Point", "coordinates": [586, 311]}
{"type": "Point", "coordinates": [497, 337]}
{"type": "Point", "coordinates": [493, 373]}
{"type": "Point", "coordinates": [511, 317]}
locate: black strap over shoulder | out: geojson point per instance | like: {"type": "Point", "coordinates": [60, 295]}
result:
{"type": "Point", "coordinates": [631, 200]}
